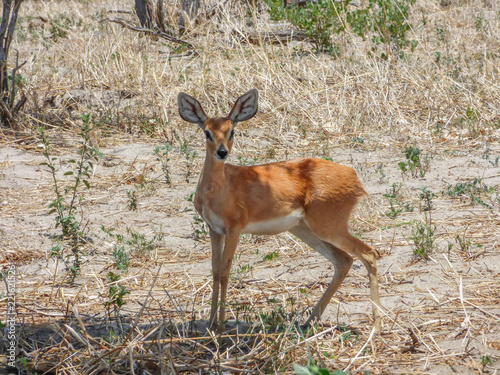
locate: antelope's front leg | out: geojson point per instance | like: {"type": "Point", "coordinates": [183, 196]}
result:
{"type": "Point", "coordinates": [230, 244]}
{"type": "Point", "coordinates": [217, 241]}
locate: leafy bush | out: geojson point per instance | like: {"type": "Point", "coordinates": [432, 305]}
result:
{"type": "Point", "coordinates": [422, 235]}
{"type": "Point", "coordinates": [319, 20]}
{"type": "Point", "coordinates": [385, 20]}
{"type": "Point", "coordinates": [67, 200]}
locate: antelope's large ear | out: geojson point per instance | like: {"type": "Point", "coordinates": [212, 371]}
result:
{"type": "Point", "coordinates": [190, 109]}
{"type": "Point", "coordinates": [245, 107]}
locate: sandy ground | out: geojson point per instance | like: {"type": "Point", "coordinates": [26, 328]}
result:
{"type": "Point", "coordinates": [450, 302]}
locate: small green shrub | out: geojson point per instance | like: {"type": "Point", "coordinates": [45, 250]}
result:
{"type": "Point", "coordinates": [386, 21]}
{"type": "Point", "coordinates": [162, 155]}
{"type": "Point", "coordinates": [189, 155]}
{"type": "Point", "coordinates": [315, 370]}
{"type": "Point", "coordinates": [422, 235]}
{"type": "Point", "coordinates": [68, 199]}
{"type": "Point", "coordinates": [116, 294]}
{"type": "Point", "coordinates": [473, 190]}
{"type": "Point", "coordinates": [319, 20]}
{"type": "Point", "coordinates": [132, 200]}
{"type": "Point", "coordinates": [271, 256]}
{"type": "Point", "coordinates": [246, 161]}
{"type": "Point", "coordinates": [132, 243]}
{"type": "Point", "coordinates": [426, 196]}
{"type": "Point", "coordinates": [199, 227]}
{"type": "Point", "coordinates": [416, 163]}
{"type": "Point", "coordinates": [396, 205]}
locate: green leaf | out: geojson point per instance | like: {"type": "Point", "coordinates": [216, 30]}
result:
{"type": "Point", "coordinates": [87, 184]}
{"type": "Point", "coordinates": [69, 173]}
{"type": "Point", "coordinates": [301, 370]}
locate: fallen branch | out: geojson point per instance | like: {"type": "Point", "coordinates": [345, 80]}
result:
{"type": "Point", "coordinates": [277, 37]}
{"type": "Point", "coordinates": [147, 31]}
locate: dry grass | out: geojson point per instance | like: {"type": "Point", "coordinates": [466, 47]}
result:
{"type": "Point", "coordinates": [441, 316]}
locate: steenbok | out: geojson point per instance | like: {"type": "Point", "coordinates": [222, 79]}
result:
{"type": "Point", "coordinates": [310, 198]}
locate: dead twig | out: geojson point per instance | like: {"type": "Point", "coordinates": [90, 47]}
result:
{"type": "Point", "coordinates": [150, 32]}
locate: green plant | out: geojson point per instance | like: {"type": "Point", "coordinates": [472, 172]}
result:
{"type": "Point", "coordinates": [133, 201]}
{"type": "Point", "coordinates": [122, 257]}
{"type": "Point", "coordinates": [319, 20]}
{"type": "Point", "coordinates": [426, 196]}
{"type": "Point", "coordinates": [465, 244]}
{"type": "Point", "coordinates": [396, 205]}
{"type": "Point", "coordinates": [385, 20]}
{"type": "Point", "coordinates": [415, 162]}
{"type": "Point", "coordinates": [315, 370]}
{"type": "Point", "coordinates": [199, 227]}
{"type": "Point", "coordinates": [474, 190]}
{"type": "Point", "coordinates": [422, 235]}
{"type": "Point", "coordinates": [486, 360]}
{"type": "Point", "coordinates": [480, 23]}
{"type": "Point", "coordinates": [246, 161]}
{"type": "Point", "coordinates": [271, 256]}
{"type": "Point", "coordinates": [358, 140]}
{"type": "Point", "coordinates": [68, 199]}
{"type": "Point", "coordinates": [278, 317]}
{"type": "Point", "coordinates": [471, 122]}
{"type": "Point", "coordinates": [139, 244]}
{"type": "Point", "coordinates": [132, 243]}
{"type": "Point", "coordinates": [189, 155]}
{"type": "Point", "coordinates": [190, 197]}
{"type": "Point", "coordinates": [59, 27]}
{"type": "Point", "coordinates": [116, 294]}
{"type": "Point", "coordinates": [163, 157]}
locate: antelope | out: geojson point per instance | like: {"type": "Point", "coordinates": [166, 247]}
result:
{"type": "Point", "coordinates": [310, 198]}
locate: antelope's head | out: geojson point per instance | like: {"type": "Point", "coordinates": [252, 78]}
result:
{"type": "Point", "coordinates": [219, 131]}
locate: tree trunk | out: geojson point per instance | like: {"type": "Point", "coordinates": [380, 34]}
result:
{"type": "Point", "coordinates": [189, 10]}
{"type": "Point", "coordinates": [8, 91]}
{"type": "Point", "coordinates": [145, 13]}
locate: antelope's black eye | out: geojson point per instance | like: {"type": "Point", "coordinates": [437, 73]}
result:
{"type": "Point", "coordinates": [231, 134]}
{"type": "Point", "coordinates": [208, 135]}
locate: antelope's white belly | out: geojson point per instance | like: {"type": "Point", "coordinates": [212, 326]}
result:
{"type": "Point", "coordinates": [276, 225]}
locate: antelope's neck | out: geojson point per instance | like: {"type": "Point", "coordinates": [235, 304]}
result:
{"type": "Point", "coordinates": [212, 180]}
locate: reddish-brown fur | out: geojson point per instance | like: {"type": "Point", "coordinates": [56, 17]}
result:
{"type": "Point", "coordinates": [311, 198]}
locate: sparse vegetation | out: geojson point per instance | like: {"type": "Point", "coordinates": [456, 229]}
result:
{"type": "Point", "coordinates": [162, 155]}
{"type": "Point", "coordinates": [426, 196]}
{"type": "Point", "coordinates": [474, 191]}
{"type": "Point", "coordinates": [189, 154]}
{"type": "Point", "coordinates": [396, 205]}
{"type": "Point", "coordinates": [315, 370]}
{"type": "Point", "coordinates": [68, 199]}
{"type": "Point", "coordinates": [133, 201]}
{"type": "Point", "coordinates": [244, 161]}
{"type": "Point", "coordinates": [199, 227]}
{"type": "Point", "coordinates": [423, 238]}
{"type": "Point", "coordinates": [116, 294]}
{"type": "Point", "coordinates": [132, 243]}
{"type": "Point", "coordinates": [416, 163]}
{"type": "Point", "coordinates": [386, 21]}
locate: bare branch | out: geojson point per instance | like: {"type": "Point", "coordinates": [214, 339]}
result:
{"type": "Point", "coordinates": [147, 31]}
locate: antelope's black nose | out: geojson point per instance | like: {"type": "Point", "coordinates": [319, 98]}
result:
{"type": "Point", "coordinates": [222, 152]}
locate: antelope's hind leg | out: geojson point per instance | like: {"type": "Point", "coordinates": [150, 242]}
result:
{"type": "Point", "coordinates": [341, 262]}
{"type": "Point", "coordinates": [338, 248]}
